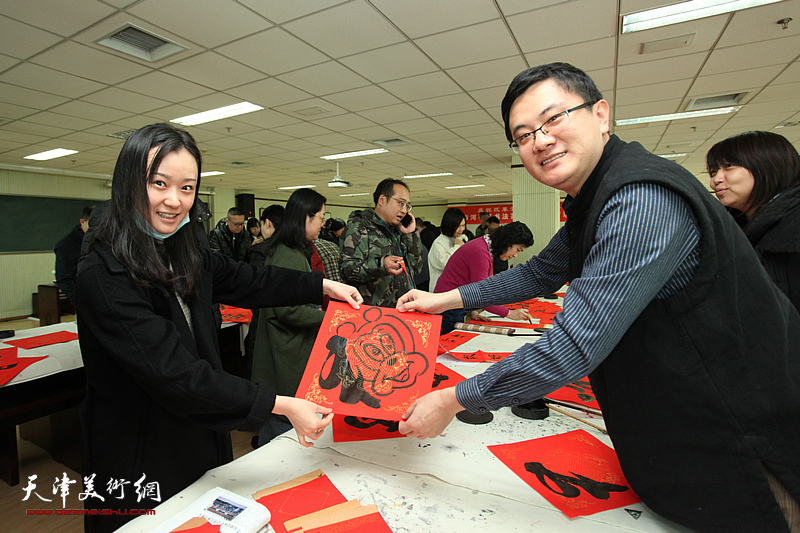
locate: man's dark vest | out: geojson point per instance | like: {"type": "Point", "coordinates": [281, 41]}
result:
{"type": "Point", "coordinates": [704, 387]}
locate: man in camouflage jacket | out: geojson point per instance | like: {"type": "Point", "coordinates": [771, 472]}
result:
{"type": "Point", "coordinates": [375, 245]}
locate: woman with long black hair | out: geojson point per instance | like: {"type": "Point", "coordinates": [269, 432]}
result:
{"type": "Point", "coordinates": [286, 334]}
{"type": "Point", "coordinates": [159, 407]}
{"type": "Point", "coordinates": [756, 175]}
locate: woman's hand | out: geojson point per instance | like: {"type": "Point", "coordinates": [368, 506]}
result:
{"type": "Point", "coordinates": [519, 314]}
{"type": "Point", "coordinates": [303, 416]}
{"type": "Point", "coordinates": [430, 415]}
{"type": "Point", "coordinates": [341, 291]}
{"type": "Point", "coordinates": [417, 300]}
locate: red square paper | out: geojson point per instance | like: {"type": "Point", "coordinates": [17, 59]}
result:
{"type": "Point", "coordinates": [43, 340]}
{"type": "Point", "coordinates": [300, 500]}
{"type": "Point", "coordinates": [11, 365]}
{"type": "Point", "coordinates": [371, 362]}
{"type": "Point", "coordinates": [578, 394]}
{"type": "Point", "coordinates": [574, 471]}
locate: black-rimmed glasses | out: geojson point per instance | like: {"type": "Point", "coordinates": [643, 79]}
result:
{"type": "Point", "coordinates": [549, 125]}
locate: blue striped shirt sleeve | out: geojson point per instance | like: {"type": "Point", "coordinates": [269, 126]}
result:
{"type": "Point", "coordinates": [646, 246]}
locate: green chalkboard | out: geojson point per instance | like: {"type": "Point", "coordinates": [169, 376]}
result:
{"type": "Point", "coordinates": [32, 224]}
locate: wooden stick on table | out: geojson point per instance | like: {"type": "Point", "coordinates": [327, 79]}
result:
{"type": "Point", "coordinates": [557, 410]}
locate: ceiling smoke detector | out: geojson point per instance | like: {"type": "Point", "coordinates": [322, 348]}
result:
{"type": "Point", "coordinates": [338, 181]}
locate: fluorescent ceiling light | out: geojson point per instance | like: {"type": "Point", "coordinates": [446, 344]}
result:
{"type": "Point", "coordinates": [297, 187]}
{"type": "Point", "coordinates": [463, 186]}
{"type": "Point", "coordinates": [51, 154]}
{"type": "Point", "coordinates": [356, 194]}
{"type": "Point", "coordinates": [217, 114]}
{"type": "Point", "coordinates": [685, 11]}
{"type": "Point", "coordinates": [355, 154]}
{"type": "Point", "coordinates": [212, 173]}
{"type": "Point", "coordinates": [670, 156]}
{"type": "Point", "coordinates": [678, 116]}
{"type": "Point", "coordinates": [427, 175]}
{"type": "Point", "coordinates": [493, 194]}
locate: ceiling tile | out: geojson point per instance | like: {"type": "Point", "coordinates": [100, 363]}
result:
{"type": "Point", "coordinates": [660, 70]}
{"type": "Point", "coordinates": [474, 44]}
{"type": "Point", "coordinates": [421, 87]}
{"type": "Point", "coordinates": [77, 108]}
{"type": "Point", "coordinates": [488, 73]}
{"type": "Point", "coordinates": [62, 121]}
{"type": "Point", "coordinates": [166, 87]}
{"type": "Point", "coordinates": [22, 41]}
{"type": "Point", "coordinates": [334, 31]}
{"type": "Point", "coordinates": [704, 33]}
{"type": "Point", "coordinates": [13, 94]}
{"type": "Point", "coordinates": [394, 113]}
{"type": "Point", "coordinates": [327, 78]}
{"type": "Point", "coordinates": [57, 16]}
{"type": "Point", "coordinates": [89, 63]}
{"type": "Point", "coordinates": [417, 18]}
{"type": "Point", "coordinates": [368, 97]}
{"type": "Point", "coordinates": [269, 93]}
{"type": "Point", "coordinates": [761, 24]}
{"type": "Point", "coordinates": [752, 55]}
{"type": "Point", "coordinates": [209, 23]}
{"type": "Point", "coordinates": [213, 70]}
{"type": "Point", "coordinates": [444, 105]}
{"type": "Point", "coordinates": [598, 19]}
{"type": "Point", "coordinates": [125, 100]}
{"type": "Point", "coordinates": [390, 63]}
{"type": "Point", "coordinates": [266, 51]}
{"type": "Point", "coordinates": [733, 82]}
{"type": "Point", "coordinates": [280, 12]}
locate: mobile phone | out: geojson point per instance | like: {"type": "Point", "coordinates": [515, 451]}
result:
{"type": "Point", "coordinates": [406, 220]}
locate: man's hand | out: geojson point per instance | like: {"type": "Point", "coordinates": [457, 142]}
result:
{"type": "Point", "coordinates": [341, 291]}
{"type": "Point", "coordinates": [303, 416]}
{"type": "Point", "coordinates": [417, 300]}
{"type": "Point", "coordinates": [411, 227]}
{"type": "Point", "coordinates": [519, 314]}
{"type": "Point", "coordinates": [430, 415]}
{"type": "Point", "coordinates": [393, 264]}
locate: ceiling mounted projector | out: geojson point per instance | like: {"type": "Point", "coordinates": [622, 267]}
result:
{"type": "Point", "coordinates": [337, 180]}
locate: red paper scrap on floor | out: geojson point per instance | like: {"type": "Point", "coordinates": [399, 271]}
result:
{"type": "Point", "coordinates": [43, 340]}
{"type": "Point", "coordinates": [368, 523]}
{"type": "Point", "coordinates": [11, 365]}
{"type": "Point", "coordinates": [574, 471]}
{"type": "Point", "coordinates": [354, 428]}
{"type": "Point", "coordinates": [371, 362]}
{"type": "Point", "coordinates": [235, 314]}
{"type": "Point", "coordinates": [454, 339]}
{"type": "Point", "coordinates": [577, 393]}
{"type": "Point", "coordinates": [298, 497]}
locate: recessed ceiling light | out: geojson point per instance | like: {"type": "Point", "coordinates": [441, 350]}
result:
{"type": "Point", "coordinates": [212, 173]}
{"type": "Point", "coordinates": [355, 154]}
{"type": "Point", "coordinates": [685, 11]}
{"type": "Point", "coordinates": [217, 114]}
{"type": "Point", "coordinates": [357, 194]}
{"type": "Point", "coordinates": [678, 116]}
{"type": "Point", "coordinates": [427, 175]}
{"type": "Point", "coordinates": [51, 154]}
{"type": "Point", "coordinates": [297, 187]}
{"type": "Point", "coordinates": [463, 186]}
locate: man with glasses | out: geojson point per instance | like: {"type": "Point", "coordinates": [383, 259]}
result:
{"type": "Point", "coordinates": [692, 352]}
{"type": "Point", "coordinates": [380, 254]}
{"type": "Point", "coordinates": [227, 238]}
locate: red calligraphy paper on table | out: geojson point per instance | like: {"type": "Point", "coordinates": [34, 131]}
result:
{"type": "Point", "coordinates": [43, 340]}
{"type": "Point", "coordinates": [505, 324]}
{"type": "Point", "coordinates": [573, 471]}
{"type": "Point", "coordinates": [578, 394]}
{"type": "Point", "coordinates": [480, 356]}
{"type": "Point", "coordinates": [197, 525]}
{"type": "Point", "coordinates": [454, 339]}
{"type": "Point", "coordinates": [298, 497]}
{"type": "Point", "coordinates": [371, 362]}
{"type": "Point", "coordinates": [369, 522]}
{"type": "Point", "coordinates": [235, 314]}
{"type": "Point", "coordinates": [11, 365]}
{"type": "Point", "coordinates": [353, 428]}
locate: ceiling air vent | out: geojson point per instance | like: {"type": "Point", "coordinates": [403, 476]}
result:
{"type": "Point", "coordinates": [140, 43]}
{"type": "Point", "coordinates": [711, 102]}
{"type": "Point", "coordinates": [121, 134]}
{"type": "Point", "coordinates": [390, 142]}
{"type": "Point", "coordinates": [238, 164]}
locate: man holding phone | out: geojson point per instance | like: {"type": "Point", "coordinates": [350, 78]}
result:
{"type": "Point", "coordinates": [381, 252]}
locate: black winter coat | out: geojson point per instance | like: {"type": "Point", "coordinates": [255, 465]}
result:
{"type": "Point", "coordinates": [158, 403]}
